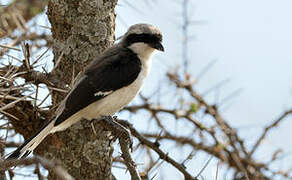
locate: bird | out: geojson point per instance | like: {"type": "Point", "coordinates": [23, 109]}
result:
{"type": "Point", "coordinates": [105, 86]}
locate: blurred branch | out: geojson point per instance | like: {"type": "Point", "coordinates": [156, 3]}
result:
{"type": "Point", "coordinates": [15, 41]}
{"type": "Point", "coordinates": [185, 140]}
{"type": "Point", "coordinates": [49, 165]}
{"type": "Point", "coordinates": [185, 40]}
{"type": "Point", "coordinates": [26, 72]}
{"type": "Point", "coordinates": [11, 144]}
{"type": "Point", "coordinates": [17, 13]}
{"type": "Point", "coordinates": [267, 130]}
{"type": "Point", "coordinates": [213, 111]}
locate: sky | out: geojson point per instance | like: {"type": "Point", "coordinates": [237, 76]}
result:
{"type": "Point", "coordinates": [248, 43]}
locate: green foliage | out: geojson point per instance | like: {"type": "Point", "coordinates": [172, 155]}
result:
{"type": "Point", "coordinates": [193, 108]}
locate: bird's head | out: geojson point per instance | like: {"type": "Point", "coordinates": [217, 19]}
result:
{"type": "Point", "coordinates": [143, 37]}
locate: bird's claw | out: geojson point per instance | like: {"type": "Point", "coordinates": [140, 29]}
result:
{"type": "Point", "coordinates": [118, 129]}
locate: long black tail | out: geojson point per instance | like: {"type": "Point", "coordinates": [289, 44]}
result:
{"type": "Point", "coordinates": [30, 144]}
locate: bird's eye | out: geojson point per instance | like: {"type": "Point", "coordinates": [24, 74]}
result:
{"type": "Point", "coordinates": [144, 37]}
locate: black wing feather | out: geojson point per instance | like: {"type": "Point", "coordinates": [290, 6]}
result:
{"type": "Point", "coordinates": [117, 68]}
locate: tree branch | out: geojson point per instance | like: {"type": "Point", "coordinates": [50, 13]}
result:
{"type": "Point", "coordinates": [125, 142]}
{"type": "Point", "coordinates": [155, 147]}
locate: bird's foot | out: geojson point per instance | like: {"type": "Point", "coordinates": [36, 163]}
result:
{"type": "Point", "coordinates": [117, 129]}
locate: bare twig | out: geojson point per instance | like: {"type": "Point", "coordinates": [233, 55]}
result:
{"type": "Point", "coordinates": [267, 129]}
{"type": "Point", "coordinates": [9, 47]}
{"type": "Point", "coordinates": [204, 167]}
{"type": "Point", "coordinates": [10, 105]}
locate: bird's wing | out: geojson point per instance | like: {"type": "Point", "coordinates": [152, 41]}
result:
{"type": "Point", "coordinates": [115, 69]}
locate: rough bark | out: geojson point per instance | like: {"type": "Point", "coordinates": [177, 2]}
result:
{"type": "Point", "coordinates": [81, 30]}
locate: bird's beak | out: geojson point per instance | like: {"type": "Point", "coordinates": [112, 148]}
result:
{"type": "Point", "coordinates": [158, 46]}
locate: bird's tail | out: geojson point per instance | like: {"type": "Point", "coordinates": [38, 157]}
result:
{"type": "Point", "coordinates": [30, 144]}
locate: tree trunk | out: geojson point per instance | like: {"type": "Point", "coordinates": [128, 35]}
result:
{"type": "Point", "coordinates": [81, 30]}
